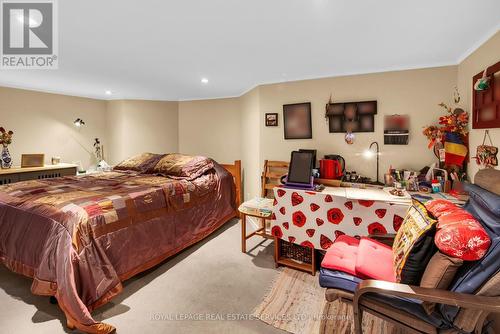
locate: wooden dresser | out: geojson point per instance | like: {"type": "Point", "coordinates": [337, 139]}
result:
{"type": "Point", "coordinates": [17, 174]}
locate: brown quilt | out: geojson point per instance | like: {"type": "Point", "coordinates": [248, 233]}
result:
{"type": "Point", "coordinates": [80, 237]}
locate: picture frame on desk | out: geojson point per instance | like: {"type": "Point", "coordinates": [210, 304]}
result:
{"type": "Point", "coordinates": [32, 160]}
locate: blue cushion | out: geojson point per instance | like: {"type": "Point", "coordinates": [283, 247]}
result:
{"type": "Point", "coordinates": [485, 207]}
{"type": "Point", "coordinates": [483, 197]}
{"type": "Point", "coordinates": [339, 280]}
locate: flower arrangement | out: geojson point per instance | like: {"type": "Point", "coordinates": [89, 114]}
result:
{"type": "Point", "coordinates": [455, 121]}
{"type": "Point", "coordinates": [5, 137]}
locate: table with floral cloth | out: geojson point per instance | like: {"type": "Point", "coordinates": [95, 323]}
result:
{"type": "Point", "coordinates": [316, 219]}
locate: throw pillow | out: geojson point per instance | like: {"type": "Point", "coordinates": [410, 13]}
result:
{"type": "Point", "coordinates": [414, 244]}
{"type": "Point", "coordinates": [439, 274]}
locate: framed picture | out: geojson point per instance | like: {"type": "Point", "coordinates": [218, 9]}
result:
{"type": "Point", "coordinates": [297, 120]}
{"type": "Point", "coordinates": [271, 119]}
{"type": "Point", "coordinates": [351, 116]}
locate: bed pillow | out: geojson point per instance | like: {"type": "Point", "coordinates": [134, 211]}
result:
{"type": "Point", "coordinates": [180, 166]}
{"type": "Point", "coordinates": [439, 274]}
{"type": "Point", "coordinates": [414, 244]}
{"type": "Point", "coordinates": [139, 163]}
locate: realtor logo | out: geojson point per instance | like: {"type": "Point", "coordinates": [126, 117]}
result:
{"type": "Point", "coordinates": [29, 34]}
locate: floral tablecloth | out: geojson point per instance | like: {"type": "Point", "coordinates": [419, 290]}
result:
{"type": "Point", "coordinates": [316, 219]}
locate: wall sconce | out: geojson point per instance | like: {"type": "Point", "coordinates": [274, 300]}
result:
{"type": "Point", "coordinates": [369, 154]}
{"type": "Point", "coordinates": [79, 122]}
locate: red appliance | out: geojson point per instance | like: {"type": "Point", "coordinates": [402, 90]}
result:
{"type": "Point", "coordinates": [330, 169]}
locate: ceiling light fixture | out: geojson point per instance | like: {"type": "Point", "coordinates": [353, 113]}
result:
{"type": "Point", "coordinates": [204, 81]}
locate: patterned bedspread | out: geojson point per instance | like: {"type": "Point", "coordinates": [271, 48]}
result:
{"type": "Point", "coordinates": [80, 237]}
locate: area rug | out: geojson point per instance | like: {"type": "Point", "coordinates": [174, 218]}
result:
{"type": "Point", "coordinates": [296, 303]}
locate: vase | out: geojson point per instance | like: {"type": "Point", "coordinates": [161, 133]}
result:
{"type": "Point", "coordinates": [6, 158]}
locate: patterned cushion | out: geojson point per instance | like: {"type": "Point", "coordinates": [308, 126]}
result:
{"type": "Point", "coordinates": [439, 207]}
{"type": "Point", "coordinates": [180, 166]}
{"type": "Point", "coordinates": [465, 239]}
{"type": "Point", "coordinates": [414, 245]}
{"type": "Point", "coordinates": [139, 163]}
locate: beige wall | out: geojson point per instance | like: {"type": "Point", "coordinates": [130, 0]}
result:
{"type": "Point", "coordinates": [137, 126]}
{"type": "Point", "coordinates": [210, 128]}
{"type": "Point", "coordinates": [233, 128]}
{"type": "Point", "coordinates": [413, 92]}
{"type": "Point", "coordinates": [250, 142]}
{"type": "Point", "coordinates": [43, 123]}
{"type": "Point", "coordinates": [488, 54]}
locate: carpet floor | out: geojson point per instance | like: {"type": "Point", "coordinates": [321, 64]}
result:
{"type": "Point", "coordinates": [209, 288]}
{"type": "Point", "coordinates": [296, 303]}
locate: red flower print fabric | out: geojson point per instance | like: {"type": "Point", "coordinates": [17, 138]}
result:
{"type": "Point", "coordinates": [296, 199]}
{"type": "Point", "coordinates": [276, 231]}
{"type": "Point", "coordinates": [397, 221]}
{"type": "Point", "coordinates": [376, 228]}
{"type": "Point", "coordinates": [325, 242]}
{"type": "Point", "coordinates": [314, 207]}
{"type": "Point", "coordinates": [299, 218]}
{"type": "Point", "coordinates": [316, 219]}
{"type": "Point", "coordinates": [335, 216]}
{"type": "Point", "coordinates": [365, 203]}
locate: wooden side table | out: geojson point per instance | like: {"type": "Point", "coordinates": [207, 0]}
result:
{"type": "Point", "coordinates": [261, 231]}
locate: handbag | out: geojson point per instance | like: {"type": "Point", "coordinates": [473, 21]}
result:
{"type": "Point", "coordinates": [486, 155]}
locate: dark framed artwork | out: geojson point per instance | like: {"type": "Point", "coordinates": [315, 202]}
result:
{"type": "Point", "coordinates": [351, 116]}
{"type": "Point", "coordinates": [486, 100]}
{"type": "Point", "coordinates": [271, 119]}
{"type": "Point", "coordinates": [297, 121]}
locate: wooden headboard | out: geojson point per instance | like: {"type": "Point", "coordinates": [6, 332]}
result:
{"type": "Point", "coordinates": [235, 170]}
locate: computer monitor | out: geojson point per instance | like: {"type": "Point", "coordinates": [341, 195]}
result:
{"type": "Point", "coordinates": [300, 170]}
{"type": "Point", "coordinates": [313, 153]}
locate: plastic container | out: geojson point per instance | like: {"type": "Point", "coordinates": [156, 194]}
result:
{"type": "Point", "coordinates": [436, 186]}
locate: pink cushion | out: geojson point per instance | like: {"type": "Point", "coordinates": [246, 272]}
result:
{"type": "Point", "coordinates": [374, 260]}
{"type": "Point", "coordinates": [342, 255]}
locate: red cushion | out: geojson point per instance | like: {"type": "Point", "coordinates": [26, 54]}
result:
{"type": "Point", "coordinates": [466, 240]}
{"type": "Point", "coordinates": [439, 206]}
{"type": "Point", "coordinates": [342, 255]}
{"type": "Point", "coordinates": [375, 260]}
{"type": "Point", "coordinates": [456, 216]}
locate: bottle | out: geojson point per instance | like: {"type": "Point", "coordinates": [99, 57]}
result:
{"type": "Point", "coordinates": [436, 186]}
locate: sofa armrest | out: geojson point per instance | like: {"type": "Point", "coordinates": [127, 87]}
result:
{"type": "Point", "coordinates": [484, 303]}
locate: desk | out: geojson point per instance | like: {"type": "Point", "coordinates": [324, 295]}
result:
{"type": "Point", "coordinates": [17, 174]}
{"type": "Point", "coordinates": [316, 219]}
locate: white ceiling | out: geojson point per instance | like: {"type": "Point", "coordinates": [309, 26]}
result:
{"type": "Point", "coordinates": [147, 49]}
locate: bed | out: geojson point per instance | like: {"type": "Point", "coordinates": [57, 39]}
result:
{"type": "Point", "coordinates": [80, 237]}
